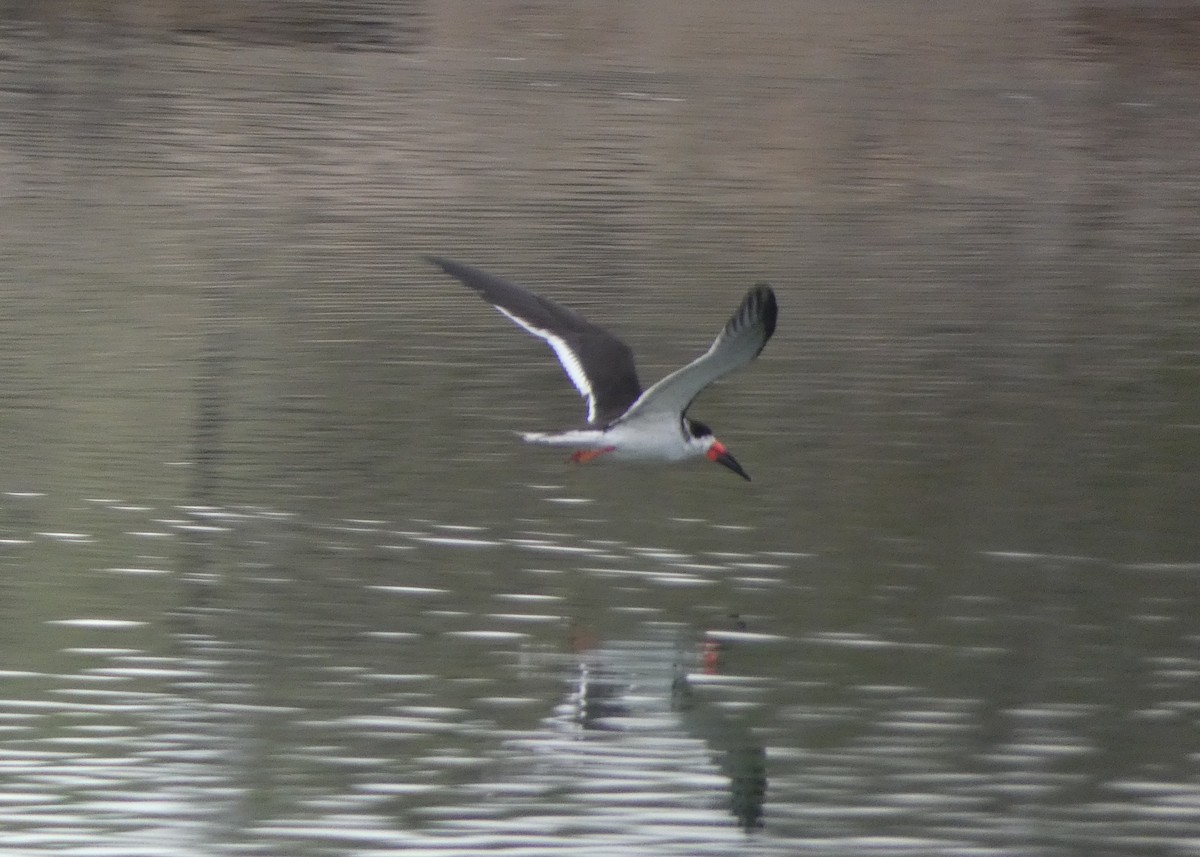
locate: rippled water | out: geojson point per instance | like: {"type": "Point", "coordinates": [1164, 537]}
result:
{"type": "Point", "coordinates": [278, 578]}
{"type": "Point", "coordinates": [364, 686]}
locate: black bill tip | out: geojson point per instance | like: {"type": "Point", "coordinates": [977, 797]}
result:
{"type": "Point", "coordinates": [720, 455]}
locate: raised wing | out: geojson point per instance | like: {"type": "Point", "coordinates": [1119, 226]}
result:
{"type": "Point", "coordinates": [738, 343]}
{"type": "Point", "coordinates": [599, 365]}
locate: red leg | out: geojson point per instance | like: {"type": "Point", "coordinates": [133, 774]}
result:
{"type": "Point", "coordinates": [583, 456]}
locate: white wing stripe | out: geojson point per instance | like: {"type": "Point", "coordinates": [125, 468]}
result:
{"type": "Point", "coordinates": [567, 357]}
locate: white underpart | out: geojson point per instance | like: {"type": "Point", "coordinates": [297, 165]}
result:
{"type": "Point", "coordinates": [568, 359]}
{"type": "Point", "coordinates": [641, 440]}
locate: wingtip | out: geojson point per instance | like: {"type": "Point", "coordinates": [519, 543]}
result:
{"type": "Point", "coordinates": [764, 295]}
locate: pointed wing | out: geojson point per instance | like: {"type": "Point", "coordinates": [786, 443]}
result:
{"type": "Point", "coordinates": [599, 365]}
{"type": "Point", "coordinates": [740, 342]}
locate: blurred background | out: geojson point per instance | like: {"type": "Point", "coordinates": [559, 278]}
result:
{"type": "Point", "coordinates": [277, 576]}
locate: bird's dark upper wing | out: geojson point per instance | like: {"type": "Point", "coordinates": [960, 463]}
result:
{"type": "Point", "coordinates": [599, 365]}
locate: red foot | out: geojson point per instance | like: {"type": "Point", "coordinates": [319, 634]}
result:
{"type": "Point", "coordinates": [711, 657]}
{"type": "Point", "coordinates": [583, 456]}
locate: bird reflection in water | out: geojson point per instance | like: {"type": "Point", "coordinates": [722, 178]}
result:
{"type": "Point", "coordinates": [612, 690]}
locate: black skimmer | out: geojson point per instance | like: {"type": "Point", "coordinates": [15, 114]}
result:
{"type": "Point", "coordinates": [623, 421]}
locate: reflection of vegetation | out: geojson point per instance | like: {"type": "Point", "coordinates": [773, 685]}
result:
{"type": "Point", "coordinates": [1171, 30]}
{"type": "Point", "coordinates": [357, 22]}
{"type": "Point", "coordinates": [1180, 375]}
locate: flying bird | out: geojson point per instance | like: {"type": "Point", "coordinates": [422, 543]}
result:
{"type": "Point", "coordinates": [625, 422]}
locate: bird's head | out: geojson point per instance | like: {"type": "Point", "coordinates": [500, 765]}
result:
{"type": "Point", "coordinates": [701, 437]}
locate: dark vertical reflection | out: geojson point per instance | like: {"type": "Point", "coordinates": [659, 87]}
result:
{"type": "Point", "coordinates": [740, 757]}
{"type": "Point", "coordinates": [213, 386]}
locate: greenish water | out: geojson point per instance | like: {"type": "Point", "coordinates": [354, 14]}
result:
{"type": "Point", "coordinates": [279, 578]}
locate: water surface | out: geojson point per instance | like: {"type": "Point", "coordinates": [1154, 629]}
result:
{"type": "Point", "coordinates": [279, 578]}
